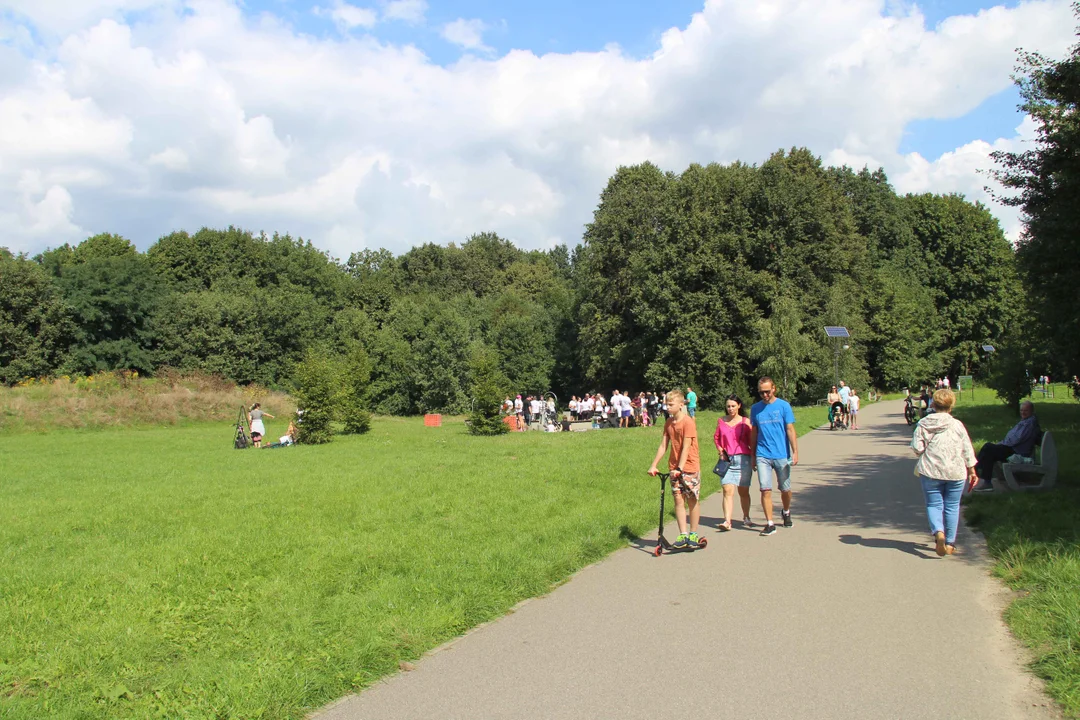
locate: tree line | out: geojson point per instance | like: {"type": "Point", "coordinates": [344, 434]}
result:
{"type": "Point", "coordinates": [705, 278]}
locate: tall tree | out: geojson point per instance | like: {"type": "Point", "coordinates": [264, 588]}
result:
{"type": "Point", "coordinates": [35, 326]}
{"type": "Point", "coordinates": [971, 270]}
{"type": "Point", "coordinates": [1044, 182]}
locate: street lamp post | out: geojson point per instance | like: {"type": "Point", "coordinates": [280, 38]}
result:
{"type": "Point", "coordinates": [837, 333]}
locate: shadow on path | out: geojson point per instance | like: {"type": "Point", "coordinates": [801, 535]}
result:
{"type": "Point", "coordinates": [905, 546]}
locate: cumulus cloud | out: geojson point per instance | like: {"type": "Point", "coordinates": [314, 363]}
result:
{"type": "Point", "coordinates": [203, 115]}
{"type": "Point", "coordinates": [469, 34]}
{"type": "Point", "coordinates": [349, 16]}
{"type": "Point", "coordinates": [410, 11]}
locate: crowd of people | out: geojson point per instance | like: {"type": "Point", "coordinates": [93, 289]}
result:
{"type": "Point", "coordinates": [625, 408]}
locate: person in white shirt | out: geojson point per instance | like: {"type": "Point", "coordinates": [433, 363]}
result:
{"type": "Point", "coordinates": [853, 408]}
{"type": "Point", "coordinates": [573, 408]}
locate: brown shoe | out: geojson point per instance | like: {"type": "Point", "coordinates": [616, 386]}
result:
{"type": "Point", "coordinates": [950, 549]}
{"type": "Point", "coordinates": [939, 543]}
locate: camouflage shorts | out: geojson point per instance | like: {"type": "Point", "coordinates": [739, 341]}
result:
{"type": "Point", "coordinates": [689, 484]}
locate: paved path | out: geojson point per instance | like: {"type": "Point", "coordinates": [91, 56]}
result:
{"type": "Point", "coordinates": [849, 614]}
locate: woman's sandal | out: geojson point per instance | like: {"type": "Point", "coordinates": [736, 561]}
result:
{"type": "Point", "coordinates": [748, 523]}
{"type": "Point", "coordinates": [950, 549]}
{"type": "Point", "coordinates": [724, 527]}
{"type": "Point", "coordinates": [939, 543]}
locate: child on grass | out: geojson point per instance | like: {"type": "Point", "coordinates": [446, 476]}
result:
{"type": "Point", "coordinates": [680, 433]}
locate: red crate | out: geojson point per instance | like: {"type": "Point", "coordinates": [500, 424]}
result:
{"type": "Point", "coordinates": [433, 420]}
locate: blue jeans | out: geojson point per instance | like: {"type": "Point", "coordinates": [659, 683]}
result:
{"type": "Point", "coordinates": [943, 505]}
{"type": "Point", "coordinates": [691, 411]}
{"type": "Point", "coordinates": [780, 467]}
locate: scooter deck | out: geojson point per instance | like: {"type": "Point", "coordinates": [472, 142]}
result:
{"type": "Point", "coordinates": [663, 545]}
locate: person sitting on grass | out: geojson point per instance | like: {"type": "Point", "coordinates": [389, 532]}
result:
{"type": "Point", "coordinates": [684, 464]}
{"type": "Point", "coordinates": [290, 435]}
{"type": "Point", "coordinates": [1020, 441]}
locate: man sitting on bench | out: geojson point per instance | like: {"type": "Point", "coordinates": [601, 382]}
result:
{"type": "Point", "coordinates": [1020, 441]}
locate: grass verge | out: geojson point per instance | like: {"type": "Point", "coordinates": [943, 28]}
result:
{"type": "Point", "coordinates": [1035, 541]}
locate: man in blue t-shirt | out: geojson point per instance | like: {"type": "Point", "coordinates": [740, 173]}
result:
{"type": "Point", "coordinates": [845, 397]}
{"type": "Point", "coordinates": [774, 448]}
{"type": "Point", "coordinates": [691, 402]}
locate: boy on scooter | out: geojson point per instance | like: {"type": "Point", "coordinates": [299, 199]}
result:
{"type": "Point", "coordinates": [680, 433]}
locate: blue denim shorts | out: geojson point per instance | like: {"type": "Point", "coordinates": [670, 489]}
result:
{"type": "Point", "coordinates": [780, 467]}
{"type": "Point", "coordinates": [739, 471]}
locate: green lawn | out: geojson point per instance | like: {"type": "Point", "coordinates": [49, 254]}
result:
{"type": "Point", "coordinates": [159, 573]}
{"type": "Point", "coordinates": [1035, 539]}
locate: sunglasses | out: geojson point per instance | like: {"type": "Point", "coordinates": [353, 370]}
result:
{"type": "Point", "coordinates": [765, 392]}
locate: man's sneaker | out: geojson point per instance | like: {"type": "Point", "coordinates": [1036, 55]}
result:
{"type": "Point", "coordinates": [693, 539]}
{"type": "Point", "coordinates": [769, 529]}
{"type": "Point", "coordinates": [681, 542]}
{"type": "Point", "coordinates": [787, 519]}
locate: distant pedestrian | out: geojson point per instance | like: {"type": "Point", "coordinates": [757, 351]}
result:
{"type": "Point", "coordinates": [946, 461]}
{"type": "Point", "coordinates": [684, 464]}
{"type": "Point", "coordinates": [255, 420]}
{"type": "Point", "coordinates": [732, 440]}
{"type": "Point", "coordinates": [853, 408]}
{"type": "Point", "coordinates": [845, 393]}
{"type": "Point", "coordinates": [774, 448]}
{"type": "Point", "coordinates": [691, 402]}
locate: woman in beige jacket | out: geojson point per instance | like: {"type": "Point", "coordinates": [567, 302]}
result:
{"type": "Point", "coordinates": [946, 462]}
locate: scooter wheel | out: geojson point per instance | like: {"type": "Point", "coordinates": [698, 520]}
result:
{"type": "Point", "coordinates": [658, 551]}
{"type": "Point", "coordinates": [702, 542]}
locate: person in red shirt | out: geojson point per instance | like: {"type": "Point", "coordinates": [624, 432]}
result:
{"type": "Point", "coordinates": [684, 464]}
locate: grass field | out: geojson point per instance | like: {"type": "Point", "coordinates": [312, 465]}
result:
{"type": "Point", "coordinates": [1035, 539]}
{"type": "Point", "coordinates": [160, 573]}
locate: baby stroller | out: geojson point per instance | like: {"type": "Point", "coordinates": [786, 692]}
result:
{"type": "Point", "coordinates": [836, 416]}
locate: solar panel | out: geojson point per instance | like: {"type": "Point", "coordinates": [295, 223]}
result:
{"type": "Point", "coordinates": [988, 348]}
{"type": "Point", "coordinates": [836, 331]}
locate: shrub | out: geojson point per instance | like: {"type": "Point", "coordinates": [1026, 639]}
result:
{"type": "Point", "coordinates": [488, 387]}
{"type": "Point", "coordinates": [318, 393]}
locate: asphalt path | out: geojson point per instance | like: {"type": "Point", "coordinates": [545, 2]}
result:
{"type": "Point", "coordinates": [847, 615]}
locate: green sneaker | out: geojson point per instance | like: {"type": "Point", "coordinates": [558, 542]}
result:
{"type": "Point", "coordinates": [693, 539]}
{"type": "Point", "coordinates": [681, 542]}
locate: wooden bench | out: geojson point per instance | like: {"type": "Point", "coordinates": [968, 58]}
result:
{"type": "Point", "coordinates": [1004, 477]}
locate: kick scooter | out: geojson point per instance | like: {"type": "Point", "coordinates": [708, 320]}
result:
{"type": "Point", "coordinates": [662, 543]}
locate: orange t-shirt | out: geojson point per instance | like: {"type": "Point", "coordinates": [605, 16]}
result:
{"type": "Point", "coordinates": [678, 432]}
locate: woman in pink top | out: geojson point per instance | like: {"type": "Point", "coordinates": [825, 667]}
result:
{"type": "Point", "coordinates": [732, 440]}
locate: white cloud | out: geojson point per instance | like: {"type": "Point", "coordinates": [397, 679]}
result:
{"type": "Point", "coordinates": [350, 16]}
{"type": "Point", "coordinates": [469, 34]}
{"type": "Point", "coordinates": [202, 115]}
{"type": "Point", "coordinates": [410, 11]}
